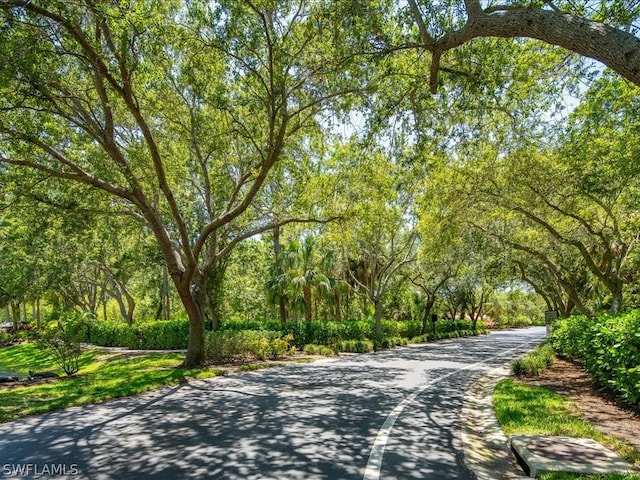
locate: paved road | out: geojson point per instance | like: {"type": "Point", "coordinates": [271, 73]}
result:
{"type": "Point", "coordinates": [389, 415]}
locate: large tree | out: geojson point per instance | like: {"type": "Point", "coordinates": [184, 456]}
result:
{"type": "Point", "coordinates": [176, 112]}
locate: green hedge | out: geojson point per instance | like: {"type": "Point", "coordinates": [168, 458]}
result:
{"type": "Point", "coordinates": [609, 348]}
{"type": "Point", "coordinates": [331, 332]}
{"type": "Point", "coordinates": [158, 335]}
{"type": "Point", "coordinates": [244, 345]}
{"type": "Point", "coordinates": [173, 334]}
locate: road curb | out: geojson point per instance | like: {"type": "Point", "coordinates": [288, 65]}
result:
{"type": "Point", "coordinates": [486, 454]}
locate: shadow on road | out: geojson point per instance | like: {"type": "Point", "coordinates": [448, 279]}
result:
{"type": "Point", "coordinates": [301, 421]}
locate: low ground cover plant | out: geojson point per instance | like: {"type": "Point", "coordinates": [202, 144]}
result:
{"type": "Point", "coordinates": [313, 349]}
{"type": "Point", "coordinates": [534, 363]}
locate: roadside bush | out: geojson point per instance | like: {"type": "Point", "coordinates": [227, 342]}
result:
{"type": "Point", "coordinates": [330, 332]}
{"type": "Point", "coordinates": [111, 334]}
{"type": "Point", "coordinates": [354, 346]}
{"type": "Point", "coordinates": [519, 321]}
{"type": "Point", "coordinates": [608, 347]}
{"type": "Point", "coordinates": [534, 363]}
{"type": "Point", "coordinates": [389, 342]}
{"type": "Point", "coordinates": [312, 349]}
{"type": "Point", "coordinates": [161, 335]}
{"type": "Point", "coordinates": [244, 345]}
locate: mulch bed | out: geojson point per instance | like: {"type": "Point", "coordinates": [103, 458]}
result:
{"type": "Point", "coordinates": [594, 404]}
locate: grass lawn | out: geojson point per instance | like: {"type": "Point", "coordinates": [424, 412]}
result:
{"type": "Point", "coordinates": [533, 410]}
{"type": "Point", "coordinates": [102, 376]}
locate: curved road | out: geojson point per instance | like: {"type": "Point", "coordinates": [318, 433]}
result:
{"type": "Point", "coordinates": [388, 415]}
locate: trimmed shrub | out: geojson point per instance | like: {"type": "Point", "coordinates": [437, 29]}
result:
{"type": "Point", "coordinates": [156, 335]}
{"type": "Point", "coordinates": [244, 345]}
{"type": "Point", "coordinates": [312, 349]}
{"type": "Point", "coordinates": [608, 347]}
{"type": "Point", "coordinates": [355, 346]}
{"type": "Point", "coordinates": [330, 332]}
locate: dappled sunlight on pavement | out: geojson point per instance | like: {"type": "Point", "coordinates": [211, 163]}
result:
{"type": "Point", "coordinates": [312, 421]}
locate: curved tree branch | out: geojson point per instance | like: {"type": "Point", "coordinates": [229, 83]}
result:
{"type": "Point", "coordinates": [617, 49]}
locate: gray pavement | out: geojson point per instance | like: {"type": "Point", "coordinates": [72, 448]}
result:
{"type": "Point", "coordinates": [390, 415]}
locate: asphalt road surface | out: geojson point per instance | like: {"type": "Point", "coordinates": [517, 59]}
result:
{"type": "Point", "coordinates": [388, 415]}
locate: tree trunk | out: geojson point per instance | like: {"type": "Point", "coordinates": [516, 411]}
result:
{"type": "Point", "coordinates": [616, 297]}
{"type": "Point", "coordinates": [378, 313]}
{"type": "Point", "coordinates": [338, 307]}
{"type": "Point", "coordinates": [15, 315]}
{"type": "Point", "coordinates": [215, 295]}
{"type": "Point", "coordinates": [308, 302]}
{"type": "Point", "coordinates": [164, 306]}
{"type": "Point", "coordinates": [121, 305]}
{"type": "Point", "coordinates": [282, 307]}
{"type": "Point", "coordinates": [426, 315]}
{"type": "Point", "coordinates": [194, 300]}
{"type": "Point", "coordinates": [38, 315]}
{"type": "Point", "coordinates": [126, 302]}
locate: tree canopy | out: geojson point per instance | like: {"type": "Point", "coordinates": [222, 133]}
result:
{"type": "Point", "coordinates": [375, 147]}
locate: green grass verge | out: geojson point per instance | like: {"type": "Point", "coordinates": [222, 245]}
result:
{"type": "Point", "coordinates": [527, 409]}
{"type": "Point", "coordinates": [101, 377]}
{"type": "Point", "coordinates": [572, 476]}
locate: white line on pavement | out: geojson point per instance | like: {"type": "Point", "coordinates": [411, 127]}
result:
{"type": "Point", "coordinates": [374, 464]}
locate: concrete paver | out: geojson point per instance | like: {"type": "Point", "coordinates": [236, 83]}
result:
{"type": "Point", "coordinates": [565, 454]}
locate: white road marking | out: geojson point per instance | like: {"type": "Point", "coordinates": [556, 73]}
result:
{"type": "Point", "coordinates": [374, 464]}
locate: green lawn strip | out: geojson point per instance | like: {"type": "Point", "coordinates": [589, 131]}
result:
{"type": "Point", "coordinates": [573, 476]}
{"type": "Point", "coordinates": [101, 377]}
{"type": "Point", "coordinates": [532, 410]}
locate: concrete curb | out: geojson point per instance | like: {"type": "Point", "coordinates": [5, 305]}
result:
{"type": "Point", "coordinates": [486, 454]}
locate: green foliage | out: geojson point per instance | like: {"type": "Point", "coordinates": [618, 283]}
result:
{"type": "Point", "coordinates": [329, 333]}
{"type": "Point", "coordinates": [320, 333]}
{"type": "Point", "coordinates": [390, 342]}
{"type": "Point", "coordinates": [354, 346]}
{"type": "Point", "coordinates": [62, 342]}
{"type": "Point", "coordinates": [534, 363]}
{"type": "Point", "coordinates": [430, 337]}
{"type": "Point", "coordinates": [519, 321]}
{"type": "Point", "coordinates": [244, 345]}
{"type": "Point", "coordinates": [609, 348]}
{"type": "Point", "coordinates": [5, 337]}
{"type": "Point", "coordinates": [156, 335]}
{"type": "Point", "coordinates": [312, 349]}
